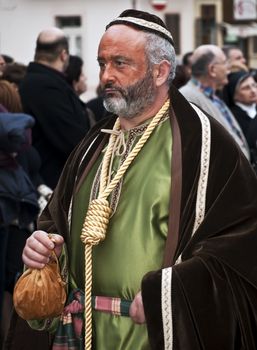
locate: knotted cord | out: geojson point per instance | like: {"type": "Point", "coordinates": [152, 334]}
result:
{"type": "Point", "coordinates": [98, 214]}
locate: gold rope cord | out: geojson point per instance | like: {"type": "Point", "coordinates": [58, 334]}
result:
{"type": "Point", "coordinates": [99, 212]}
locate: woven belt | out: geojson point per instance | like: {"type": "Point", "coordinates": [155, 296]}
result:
{"type": "Point", "coordinates": [70, 329]}
{"type": "Point", "coordinates": [115, 306]}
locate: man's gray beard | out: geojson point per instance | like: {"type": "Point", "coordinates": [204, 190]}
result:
{"type": "Point", "coordinates": [133, 100]}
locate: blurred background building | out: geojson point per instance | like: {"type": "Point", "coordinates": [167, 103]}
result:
{"type": "Point", "coordinates": [192, 22]}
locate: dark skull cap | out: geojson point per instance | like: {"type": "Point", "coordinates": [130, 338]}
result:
{"type": "Point", "coordinates": [144, 21]}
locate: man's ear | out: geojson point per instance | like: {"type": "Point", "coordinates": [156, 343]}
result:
{"type": "Point", "coordinates": [64, 55]}
{"type": "Point", "coordinates": [161, 72]}
{"type": "Point", "coordinates": [212, 70]}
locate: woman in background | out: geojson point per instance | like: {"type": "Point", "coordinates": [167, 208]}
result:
{"type": "Point", "coordinates": [77, 80]}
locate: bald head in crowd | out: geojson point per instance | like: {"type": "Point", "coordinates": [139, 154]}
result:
{"type": "Point", "coordinates": [209, 66]}
{"type": "Point", "coordinates": [52, 49]}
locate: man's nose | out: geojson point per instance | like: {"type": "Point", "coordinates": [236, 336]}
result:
{"type": "Point", "coordinates": [107, 74]}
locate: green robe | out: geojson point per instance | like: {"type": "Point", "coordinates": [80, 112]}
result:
{"type": "Point", "coordinates": [135, 238]}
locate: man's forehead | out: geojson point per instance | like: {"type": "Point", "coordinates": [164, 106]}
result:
{"type": "Point", "coordinates": [122, 31]}
{"type": "Point", "coordinates": [236, 53]}
{"type": "Point", "coordinates": [122, 37]}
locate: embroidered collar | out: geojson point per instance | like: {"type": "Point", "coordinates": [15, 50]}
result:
{"type": "Point", "coordinates": [139, 129]}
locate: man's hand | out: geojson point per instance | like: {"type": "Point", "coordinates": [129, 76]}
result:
{"type": "Point", "coordinates": [37, 250]}
{"type": "Point", "coordinates": [136, 310]}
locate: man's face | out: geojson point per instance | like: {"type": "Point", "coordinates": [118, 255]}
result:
{"type": "Point", "coordinates": [236, 55]}
{"type": "Point", "coordinates": [80, 86]}
{"type": "Point", "coordinates": [246, 92]}
{"type": "Point", "coordinates": [125, 75]}
{"type": "Point", "coordinates": [220, 70]}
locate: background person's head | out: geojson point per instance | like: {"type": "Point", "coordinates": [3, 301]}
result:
{"type": "Point", "coordinates": [14, 73]}
{"type": "Point", "coordinates": [75, 75]}
{"type": "Point", "coordinates": [8, 59]}
{"type": "Point", "coordinates": [187, 62]}
{"type": "Point", "coordinates": [209, 66]}
{"type": "Point", "coordinates": [2, 65]}
{"type": "Point", "coordinates": [182, 76]}
{"type": "Point", "coordinates": [9, 97]}
{"type": "Point", "coordinates": [52, 49]}
{"type": "Point", "coordinates": [241, 88]}
{"type": "Point", "coordinates": [236, 59]}
{"type": "Point", "coordinates": [137, 62]}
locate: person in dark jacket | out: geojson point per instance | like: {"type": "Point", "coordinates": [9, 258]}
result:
{"type": "Point", "coordinates": [77, 80]}
{"type": "Point", "coordinates": [75, 75]}
{"type": "Point", "coordinates": [18, 202]}
{"type": "Point", "coordinates": [25, 164]}
{"type": "Point", "coordinates": [60, 117]}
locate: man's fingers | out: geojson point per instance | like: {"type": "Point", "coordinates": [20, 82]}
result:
{"type": "Point", "coordinates": [57, 239]}
{"type": "Point", "coordinates": [136, 310]}
{"type": "Point", "coordinates": [34, 259]}
{"type": "Point", "coordinates": [35, 256]}
{"type": "Point", "coordinates": [38, 248]}
{"type": "Point", "coordinates": [58, 242]}
{"type": "Point", "coordinates": [40, 239]}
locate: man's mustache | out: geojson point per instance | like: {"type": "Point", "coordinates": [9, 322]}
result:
{"type": "Point", "coordinates": [113, 87]}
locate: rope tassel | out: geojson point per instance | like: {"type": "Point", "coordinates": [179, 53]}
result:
{"type": "Point", "coordinates": [96, 222]}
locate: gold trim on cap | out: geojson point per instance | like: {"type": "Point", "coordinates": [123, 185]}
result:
{"type": "Point", "coordinates": [146, 24]}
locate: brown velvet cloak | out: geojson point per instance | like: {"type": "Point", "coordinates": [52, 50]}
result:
{"type": "Point", "coordinates": [214, 289]}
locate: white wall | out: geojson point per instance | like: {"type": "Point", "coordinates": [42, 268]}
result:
{"type": "Point", "coordinates": [22, 20]}
{"type": "Point", "coordinates": [186, 10]}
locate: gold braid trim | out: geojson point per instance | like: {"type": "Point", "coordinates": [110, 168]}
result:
{"type": "Point", "coordinates": [98, 214]}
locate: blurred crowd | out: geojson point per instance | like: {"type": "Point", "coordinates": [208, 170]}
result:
{"type": "Point", "coordinates": [43, 118]}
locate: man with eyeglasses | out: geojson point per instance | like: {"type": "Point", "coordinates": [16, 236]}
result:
{"type": "Point", "coordinates": [209, 74]}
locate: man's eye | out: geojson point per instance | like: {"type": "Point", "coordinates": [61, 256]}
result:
{"type": "Point", "coordinates": [120, 63]}
{"type": "Point", "coordinates": [101, 64]}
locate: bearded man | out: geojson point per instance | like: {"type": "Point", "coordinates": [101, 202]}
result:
{"type": "Point", "coordinates": [164, 189]}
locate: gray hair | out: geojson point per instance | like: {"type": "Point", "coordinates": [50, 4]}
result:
{"type": "Point", "coordinates": [200, 64]}
{"type": "Point", "coordinates": [158, 49]}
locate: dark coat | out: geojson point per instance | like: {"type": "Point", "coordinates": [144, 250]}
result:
{"type": "Point", "coordinates": [97, 107]}
{"type": "Point", "coordinates": [248, 125]}
{"type": "Point", "coordinates": [18, 196]}
{"type": "Point", "coordinates": [61, 120]}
